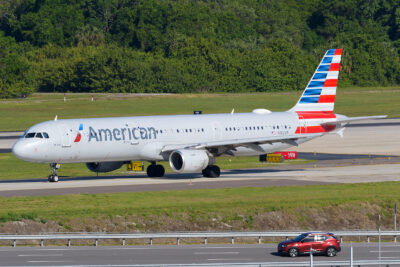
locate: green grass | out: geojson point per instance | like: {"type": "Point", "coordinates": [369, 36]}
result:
{"type": "Point", "coordinates": [21, 114]}
{"type": "Point", "coordinates": [229, 202]}
{"type": "Point", "coordinates": [12, 168]}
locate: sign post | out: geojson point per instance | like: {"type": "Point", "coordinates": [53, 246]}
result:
{"type": "Point", "coordinates": [379, 245]}
{"type": "Point", "coordinates": [395, 220]}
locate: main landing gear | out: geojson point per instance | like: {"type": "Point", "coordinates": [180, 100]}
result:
{"type": "Point", "coordinates": [53, 177]}
{"type": "Point", "coordinates": [212, 171]}
{"type": "Point", "coordinates": [154, 170]}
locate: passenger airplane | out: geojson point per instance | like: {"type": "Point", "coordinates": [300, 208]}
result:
{"type": "Point", "coordinates": [189, 142]}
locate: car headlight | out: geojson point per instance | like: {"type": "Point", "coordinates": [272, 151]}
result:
{"type": "Point", "coordinates": [284, 246]}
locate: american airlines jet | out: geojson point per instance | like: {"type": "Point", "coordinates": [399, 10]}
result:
{"type": "Point", "coordinates": [190, 143]}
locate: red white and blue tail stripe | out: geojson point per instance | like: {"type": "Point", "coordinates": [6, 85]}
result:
{"type": "Point", "coordinates": [320, 92]}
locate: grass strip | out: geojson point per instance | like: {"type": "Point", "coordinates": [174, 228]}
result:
{"type": "Point", "coordinates": [229, 203]}
{"type": "Point", "coordinates": [21, 114]}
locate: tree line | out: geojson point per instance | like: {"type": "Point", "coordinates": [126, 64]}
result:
{"type": "Point", "coordinates": [193, 46]}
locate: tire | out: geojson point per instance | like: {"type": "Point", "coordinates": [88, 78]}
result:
{"type": "Point", "coordinates": [215, 171]}
{"type": "Point", "coordinates": [293, 252]}
{"type": "Point", "coordinates": [211, 171]}
{"type": "Point", "coordinates": [331, 252]}
{"type": "Point", "coordinates": [160, 171]}
{"type": "Point", "coordinates": [151, 170]}
{"type": "Point", "coordinates": [52, 178]}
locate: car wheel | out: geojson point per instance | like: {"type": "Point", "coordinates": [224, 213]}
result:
{"type": "Point", "coordinates": [331, 252]}
{"type": "Point", "coordinates": [293, 252]}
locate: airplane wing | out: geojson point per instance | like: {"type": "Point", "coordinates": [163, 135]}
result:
{"type": "Point", "coordinates": [249, 142]}
{"type": "Point", "coordinates": [347, 120]}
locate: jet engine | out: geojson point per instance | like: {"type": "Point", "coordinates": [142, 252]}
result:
{"type": "Point", "coordinates": [104, 166]}
{"type": "Point", "coordinates": [189, 160]}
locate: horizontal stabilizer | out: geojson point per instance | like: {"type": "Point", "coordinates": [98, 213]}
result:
{"type": "Point", "coordinates": [347, 120]}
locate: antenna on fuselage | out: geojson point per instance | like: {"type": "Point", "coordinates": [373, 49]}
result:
{"type": "Point", "coordinates": [55, 118]}
{"type": "Point", "coordinates": [233, 111]}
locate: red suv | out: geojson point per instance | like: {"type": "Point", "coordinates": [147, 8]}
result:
{"type": "Point", "coordinates": [325, 243]}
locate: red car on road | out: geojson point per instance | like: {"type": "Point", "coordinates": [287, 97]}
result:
{"type": "Point", "coordinates": [319, 242]}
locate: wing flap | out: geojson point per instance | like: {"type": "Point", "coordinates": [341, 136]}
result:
{"type": "Point", "coordinates": [249, 142]}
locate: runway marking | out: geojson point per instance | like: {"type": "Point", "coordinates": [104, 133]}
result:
{"type": "Point", "coordinates": [42, 255]}
{"type": "Point", "coordinates": [216, 253]}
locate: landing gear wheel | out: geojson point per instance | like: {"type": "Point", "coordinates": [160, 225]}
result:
{"type": "Point", "coordinates": [53, 177]}
{"type": "Point", "coordinates": [211, 171]}
{"type": "Point", "coordinates": [160, 170]}
{"type": "Point", "coordinates": [154, 170]}
{"type": "Point", "coordinates": [331, 252]}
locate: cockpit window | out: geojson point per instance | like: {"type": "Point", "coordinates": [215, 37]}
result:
{"type": "Point", "coordinates": [39, 135]}
{"type": "Point", "coordinates": [30, 135]}
{"type": "Point", "coordinates": [45, 135]}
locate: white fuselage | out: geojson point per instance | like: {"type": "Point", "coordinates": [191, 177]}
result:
{"type": "Point", "coordinates": [142, 138]}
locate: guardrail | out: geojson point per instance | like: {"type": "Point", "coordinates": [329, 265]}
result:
{"type": "Point", "coordinates": [178, 236]}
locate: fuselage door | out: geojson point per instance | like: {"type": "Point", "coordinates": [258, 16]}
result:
{"type": "Point", "coordinates": [216, 129]}
{"type": "Point", "coordinates": [66, 135]}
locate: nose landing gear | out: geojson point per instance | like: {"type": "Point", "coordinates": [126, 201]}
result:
{"type": "Point", "coordinates": [53, 177]}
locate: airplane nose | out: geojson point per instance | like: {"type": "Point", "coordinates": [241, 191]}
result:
{"type": "Point", "coordinates": [20, 151]}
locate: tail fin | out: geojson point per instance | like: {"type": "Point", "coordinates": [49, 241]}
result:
{"type": "Point", "coordinates": [320, 92]}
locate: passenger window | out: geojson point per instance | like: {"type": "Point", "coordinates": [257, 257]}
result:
{"type": "Point", "coordinates": [309, 239]}
{"type": "Point", "coordinates": [39, 135]}
{"type": "Point", "coordinates": [30, 135]}
{"type": "Point", "coordinates": [45, 135]}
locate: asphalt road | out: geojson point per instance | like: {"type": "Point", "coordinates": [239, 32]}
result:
{"type": "Point", "coordinates": [172, 254]}
{"type": "Point", "coordinates": [330, 169]}
{"type": "Point", "coordinates": [369, 152]}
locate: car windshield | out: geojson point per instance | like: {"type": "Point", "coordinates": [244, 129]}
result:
{"type": "Point", "coordinates": [299, 238]}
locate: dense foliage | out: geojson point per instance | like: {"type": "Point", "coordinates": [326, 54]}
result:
{"type": "Point", "coordinates": [193, 46]}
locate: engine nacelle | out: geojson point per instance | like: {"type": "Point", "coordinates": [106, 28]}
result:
{"type": "Point", "coordinates": [104, 166]}
{"type": "Point", "coordinates": [189, 160]}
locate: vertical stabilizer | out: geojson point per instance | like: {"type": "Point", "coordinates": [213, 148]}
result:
{"type": "Point", "coordinates": [320, 92]}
